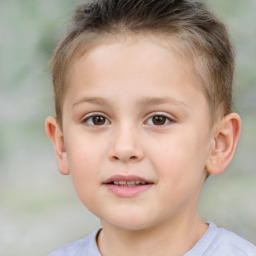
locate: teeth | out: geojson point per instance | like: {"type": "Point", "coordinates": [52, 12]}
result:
{"type": "Point", "coordinates": [128, 183]}
{"type": "Point", "coordinates": [131, 182]}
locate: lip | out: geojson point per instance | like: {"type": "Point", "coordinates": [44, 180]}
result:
{"type": "Point", "coordinates": [126, 178]}
{"type": "Point", "coordinates": [125, 191]}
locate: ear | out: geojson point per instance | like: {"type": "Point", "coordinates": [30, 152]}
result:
{"type": "Point", "coordinates": [55, 134]}
{"type": "Point", "coordinates": [225, 140]}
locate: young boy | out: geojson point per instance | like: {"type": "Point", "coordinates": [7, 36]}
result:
{"type": "Point", "coordinates": [143, 93]}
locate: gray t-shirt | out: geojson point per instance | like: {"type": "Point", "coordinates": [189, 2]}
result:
{"type": "Point", "coordinates": [215, 242]}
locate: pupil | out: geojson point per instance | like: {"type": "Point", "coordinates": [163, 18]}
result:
{"type": "Point", "coordinates": [98, 120]}
{"type": "Point", "coordinates": [159, 120]}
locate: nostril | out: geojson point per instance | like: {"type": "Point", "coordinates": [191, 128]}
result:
{"type": "Point", "coordinates": [118, 158]}
{"type": "Point", "coordinates": [125, 154]}
{"type": "Point", "coordinates": [115, 158]}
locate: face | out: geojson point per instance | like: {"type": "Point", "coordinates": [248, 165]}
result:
{"type": "Point", "coordinates": [136, 133]}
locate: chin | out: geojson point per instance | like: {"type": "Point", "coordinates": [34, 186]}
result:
{"type": "Point", "coordinates": [130, 222]}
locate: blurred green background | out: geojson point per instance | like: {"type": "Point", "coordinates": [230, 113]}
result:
{"type": "Point", "coordinates": [39, 210]}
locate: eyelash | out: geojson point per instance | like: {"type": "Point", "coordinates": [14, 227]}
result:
{"type": "Point", "coordinates": [167, 119]}
{"type": "Point", "coordinates": [86, 119]}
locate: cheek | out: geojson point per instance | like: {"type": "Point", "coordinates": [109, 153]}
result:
{"type": "Point", "coordinates": [84, 173]}
{"type": "Point", "coordinates": [180, 176]}
{"type": "Point", "coordinates": [83, 151]}
{"type": "Point", "coordinates": [179, 158]}
{"type": "Point", "coordinates": [83, 163]}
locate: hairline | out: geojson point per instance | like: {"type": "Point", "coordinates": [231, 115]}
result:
{"type": "Point", "coordinates": [84, 43]}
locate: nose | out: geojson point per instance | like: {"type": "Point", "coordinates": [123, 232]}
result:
{"type": "Point", "coordinates": [126, 145]}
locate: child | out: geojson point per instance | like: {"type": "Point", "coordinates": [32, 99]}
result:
{"type": "Point", "coordinates": [143, 93]}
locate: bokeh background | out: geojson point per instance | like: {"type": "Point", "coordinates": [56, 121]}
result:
{"type": "Point", "coordinates": [39, 210]}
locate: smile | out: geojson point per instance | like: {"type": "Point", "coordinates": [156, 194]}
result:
{"type": "Point", "coordinates": [129, 183]}
{"type": "Point", "coordinates": [127, 186]}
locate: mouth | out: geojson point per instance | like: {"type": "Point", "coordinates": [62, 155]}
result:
{"type": "Point", "coordinates": [127, 186]}
{"type": "Point", "coordinates": [124, 183]}
{"type": "Point", "coordinates": [127, 181]}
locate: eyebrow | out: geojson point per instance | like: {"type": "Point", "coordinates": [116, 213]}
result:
{"type": "Point", "coordinates": [162, 100]}
{"type": "Point", "coordinates": [144, 101]}
{"type": "Point", "coordinates": [92, 100]}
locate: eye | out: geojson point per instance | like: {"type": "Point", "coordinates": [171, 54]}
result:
{"type": "Point", "coordinates": [96, 120]}
{"type": "Point", "coordinates": [159, 120]}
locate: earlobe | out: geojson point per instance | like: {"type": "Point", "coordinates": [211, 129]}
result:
{"type": "Point", "coordinates": [55, 134]}
{"type": "Point", "coordinates": [226, 136]}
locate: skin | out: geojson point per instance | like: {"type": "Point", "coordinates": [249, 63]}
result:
{"type": "Point", "coordinates": [127, 83]}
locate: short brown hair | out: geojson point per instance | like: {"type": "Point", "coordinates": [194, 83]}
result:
{"type": "Point", "coordinates": [201, 37]}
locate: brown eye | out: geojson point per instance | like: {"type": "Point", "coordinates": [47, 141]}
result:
{"type": "Point", "coordinates": [159, 120]}
{"type": "Point", "coordinates": [96, 120]}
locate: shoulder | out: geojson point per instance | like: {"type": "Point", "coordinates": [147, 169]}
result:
{"type": "Point", "coordinates": [229, 242]}
{"type": "Point", "coordinates": [221, 242]}
{"type": "Point", "coordinates": [80, 247]}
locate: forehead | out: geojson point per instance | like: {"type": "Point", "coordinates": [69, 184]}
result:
{"type": "Point", "coordinates": [133, 68]}
{"type": "Point", "coordinates": [95, 44]}
{"type": "Point", "coordinates": [150, 51]}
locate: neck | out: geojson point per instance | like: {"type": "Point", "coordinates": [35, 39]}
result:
{"type": "Point", "coordinates": [174, 237]}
